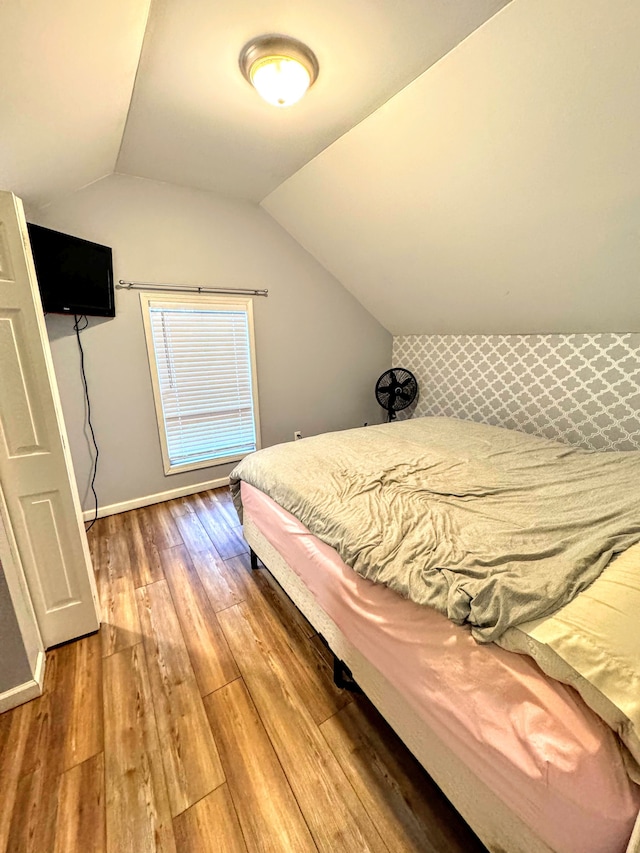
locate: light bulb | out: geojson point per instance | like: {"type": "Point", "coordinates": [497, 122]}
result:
{"type": "Point", "coordinates": [280, 80]}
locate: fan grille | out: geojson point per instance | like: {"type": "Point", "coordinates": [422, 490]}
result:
{"type": "Point", "coordinates": [396, 389]}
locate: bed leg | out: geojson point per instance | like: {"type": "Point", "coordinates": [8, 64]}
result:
{"type": "Point", "coordinates": [254, 559]}
{"type": "Point", "coordinates": [343, 677]}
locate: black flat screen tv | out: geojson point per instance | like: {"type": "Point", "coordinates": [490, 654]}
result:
{"type": "Point", "coordinates": [75, 276]}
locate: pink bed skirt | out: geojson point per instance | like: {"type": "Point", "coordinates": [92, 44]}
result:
{"type": "Point", "coordinates": [530, 739]}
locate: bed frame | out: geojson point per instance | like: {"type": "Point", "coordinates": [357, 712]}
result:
{"type": "Point", "coordinates": [497, 827]}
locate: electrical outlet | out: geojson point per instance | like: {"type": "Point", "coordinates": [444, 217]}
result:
{"type": "Point", "coordinates": [297, 435]}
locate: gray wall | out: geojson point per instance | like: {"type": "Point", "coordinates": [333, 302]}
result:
{"type": "Point", "coordinates": [319, 352]}
{"type": "Point", "coordinates": [14, 664]}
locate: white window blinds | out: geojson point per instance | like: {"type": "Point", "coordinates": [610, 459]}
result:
{"type": "Point", "coordinates": [203, 363]}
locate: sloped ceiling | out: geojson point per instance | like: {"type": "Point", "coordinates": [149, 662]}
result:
{"type": "Point", "coordinates": [497, 192]}
{"type": "Point", "coordinates": [195, 121]}
{"type": "Point", "coordinates": [500, 191]}
{"type": "Point", "coordinates": [67, 71]}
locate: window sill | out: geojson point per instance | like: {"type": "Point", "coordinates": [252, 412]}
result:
{"type": "Point", "coordinates": [205, 463]}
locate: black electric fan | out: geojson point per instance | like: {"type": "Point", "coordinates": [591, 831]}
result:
{"type": "Point", "coordinates": [395, 390]}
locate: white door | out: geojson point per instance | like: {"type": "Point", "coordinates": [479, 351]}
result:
{"type": "Point", "coordinates": [36, 472]}
{"type": "Point", "coordinates": [27, 624]}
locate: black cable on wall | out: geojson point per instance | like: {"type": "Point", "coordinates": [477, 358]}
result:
{"type": "Point", "coordinates": [80, 324]}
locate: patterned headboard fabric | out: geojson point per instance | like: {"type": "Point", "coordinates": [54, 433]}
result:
{"type": "Point", "coordinates": [580, 389]}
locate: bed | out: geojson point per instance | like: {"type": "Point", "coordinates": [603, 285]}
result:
{"type": "Point", "coordinates": [526, 762]}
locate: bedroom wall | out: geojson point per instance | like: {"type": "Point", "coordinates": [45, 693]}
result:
{"type": "Point", "coordinates": [319, 351]}
{"type": "Point", "coordinates": [500, 191]}
{"type": "Point", "coordinates": [14, 663]}
{"type": "Point", "coordinates": [580, 389]}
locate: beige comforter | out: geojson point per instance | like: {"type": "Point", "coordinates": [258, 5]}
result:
{"type": "Point", "coordinates": [491, 527]}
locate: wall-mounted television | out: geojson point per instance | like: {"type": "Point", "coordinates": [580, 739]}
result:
{"type": "Point", "coordinates": [75, 276]}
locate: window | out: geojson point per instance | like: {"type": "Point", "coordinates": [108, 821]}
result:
{"type": "Point", "coordinates": [201, 353]}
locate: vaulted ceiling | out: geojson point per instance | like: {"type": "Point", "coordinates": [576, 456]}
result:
{"type": "Point", "coordinates": [152, 88]}
{"type": "Point", "coordinates": [500, 191]}
{"type": "Point", "coordinates": [67, 70]}
{"type": "Point", "coordinates": [459, 166]}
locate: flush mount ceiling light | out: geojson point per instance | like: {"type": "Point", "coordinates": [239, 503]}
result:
{"type": "Point", "coordinates": [279, 67]}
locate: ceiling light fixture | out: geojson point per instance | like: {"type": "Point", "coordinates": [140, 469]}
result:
{"type": "Point", "coordinates": [279, 67]}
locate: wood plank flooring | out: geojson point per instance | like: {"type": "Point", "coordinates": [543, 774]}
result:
{"type": "Point", "coordinates": [203, 717]}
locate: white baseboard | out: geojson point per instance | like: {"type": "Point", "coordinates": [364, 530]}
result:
{"type": "Point", "coordinates": [24, 692]}
{"type": "Point", "coordinates": [159, 497]}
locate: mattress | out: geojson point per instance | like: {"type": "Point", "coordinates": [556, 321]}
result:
{"type": "Point", "coordinates": [530, 739]}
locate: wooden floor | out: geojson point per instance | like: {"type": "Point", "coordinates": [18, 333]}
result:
{"type": "Point", "coordinates": [203, 717]}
